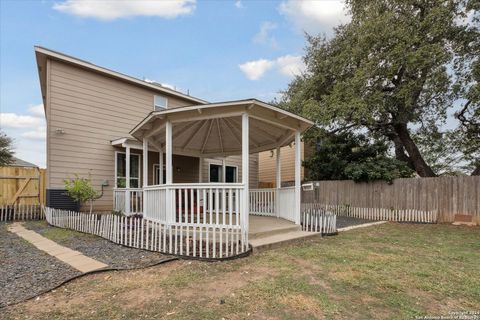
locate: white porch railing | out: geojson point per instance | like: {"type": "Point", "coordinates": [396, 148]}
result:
{"type": "Point", "coordinates": [263, 202]}
{"type": "Point", "coordinates": [129, 201]}
{"type": "Point", "coordinates": [209, 216]}
{"type": "Point", "coordinates": [208, 213]}
{"type": "Point", "coordinates": [202, 241]}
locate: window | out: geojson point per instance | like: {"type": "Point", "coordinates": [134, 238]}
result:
{"type": "Point", "coordinates": [156, 172]}
{"type": "Point", "coordinates": [121, 172]}
{"type": "Point", "coordinates": [160, 103]}
{"type": "Point", "coordinates": [217, 175]}
{"type": "Point", "coordinates": [230, 174]}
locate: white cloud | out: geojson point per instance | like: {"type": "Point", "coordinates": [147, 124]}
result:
{"type": "Point", "coordinates": [239, 4]}
{"type": "Point", "coordinates": [314, 16]}
{"type": "Point", "coordinates": [13, 120]}
{"type": "Point", "coordinates": [254, 70]}
{"type": "Point", "coordinates": [28, 132]}
{"type": "Point", "coordinates": [37, 110]}
{"type": "Point", "coordinates": [115, 9]}
{"type": "Point", "coordinates": [39, 133]}
{"type": "Point", "coordinates": [264, 37]}
{"type": "Point", "coordinates": [288, 65]}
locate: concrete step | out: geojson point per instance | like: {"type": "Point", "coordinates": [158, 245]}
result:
{"type": "Point", "coordinates": [274, 230]}
{"type": "Point", "coordinates": [279, 240]}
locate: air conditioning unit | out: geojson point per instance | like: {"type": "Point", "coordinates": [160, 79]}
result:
{"type": "Point", "coordinates": [307, 187]}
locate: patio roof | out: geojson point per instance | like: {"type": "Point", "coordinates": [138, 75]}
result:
{"type": "Point", "coordinates": [215, 129]}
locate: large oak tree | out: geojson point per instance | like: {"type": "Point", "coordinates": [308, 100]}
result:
{"type": "Point", "coordinates": [398, 66]}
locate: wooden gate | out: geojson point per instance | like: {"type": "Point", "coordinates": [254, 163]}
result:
{"type": "Point", "coordinates": [22, 186]}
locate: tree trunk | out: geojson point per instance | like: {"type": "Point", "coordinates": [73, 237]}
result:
{"type": "Point", "coordinates": [400, 152]}
{"type": "Point", "coordinates": [421, 167]}
{"type": "Point", "coordinates": [476, 172]}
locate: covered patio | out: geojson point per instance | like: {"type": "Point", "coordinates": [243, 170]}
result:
{"type": "Point", "coordinates": [217, 130]}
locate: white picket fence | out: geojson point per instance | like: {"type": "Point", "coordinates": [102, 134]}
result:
{"type": "Point", "coordinates": [318, 220]}
{"type": "Point", "coordinates": [184, 239]}
{"type": "Point", "coordinates": [382, 214]}
{"type": "Point", "coordinates": [21, 212]}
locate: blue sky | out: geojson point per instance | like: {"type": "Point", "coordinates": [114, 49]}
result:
{"type": "Point", "coordinates": [218, 50]}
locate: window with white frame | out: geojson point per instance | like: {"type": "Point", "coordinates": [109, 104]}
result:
{"type": "Point", "coordinates": [121, 172]}
{"type": "Point", "coordinates": [230, 174]}
{"type": "Point", "coordinates": [156, 172]}
{"type": "Point", "coordinates": [216, 173]}
{"type": "Point", "coordinates": [160, 103]}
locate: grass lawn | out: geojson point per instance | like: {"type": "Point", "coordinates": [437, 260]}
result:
{"type": "Point", "coordinates": [395, 271]}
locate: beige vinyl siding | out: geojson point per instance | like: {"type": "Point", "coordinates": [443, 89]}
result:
{"type": "Point", "coordinates": [92, 109]}
{"type": "Point", "coordinates": [267, 164]}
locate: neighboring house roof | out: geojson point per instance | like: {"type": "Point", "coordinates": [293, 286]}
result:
{"type": "Point", "coordinates": [22, 163]}
{"type": "Point", "coordinates": [214, 129]}
{"type": "Point", "coordinates": [42, 54]}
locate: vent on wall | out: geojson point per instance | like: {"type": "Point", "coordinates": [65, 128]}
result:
{"type": "Point", "coordinates": [59, 199]}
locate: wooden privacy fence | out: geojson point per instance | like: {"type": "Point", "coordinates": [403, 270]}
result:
{"type": "Point", "coordinates": [21, 212]}
{"type": "Point", "coordinates": [317, 219]}
{"type": "Point", "coordinates": [183, 240]}
{"type": "Point", "coordinates": [409, 215]}
{"type": "Point", "coordinates": [443, 196]}
{"type": "Point", "coordinates": [19, 185]}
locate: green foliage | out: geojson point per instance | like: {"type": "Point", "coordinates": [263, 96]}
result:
{"type": "Point", "coordinates": [81, 190]}
{"type": "Point", "coordinates": [467, 135]}
{"type": "Point", "coordinates": [378, 168]}
{"type": "Point", "coordinates": [441, 151]}
{"type": "Point", "coordinates": [349, 156]}
{"type": "Point", "coordinates": [399, 65]}
{"type": "Point", "coordinates": [6, 152]}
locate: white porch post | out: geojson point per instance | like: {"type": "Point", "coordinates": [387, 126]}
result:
{"type": "Point", "coordinates": [278, 183]}
{"type": "Point", "coordinates": [145, 162]}
{"type": "Point", "coordinates": [245, 179]}
{"type": "Point", "coordinates": [170, 202]}
{"type": "Point", "coordinates": [127, 180]}
{"type": "Point", "coordinates": [145, 174]}
{"type": "Point", "coordinates": [298, 170]}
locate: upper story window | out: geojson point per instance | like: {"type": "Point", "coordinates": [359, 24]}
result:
{"type": "Point", "coordinates": [160, 103]}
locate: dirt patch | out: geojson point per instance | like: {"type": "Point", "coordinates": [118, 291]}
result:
{"type": "Point", "coordinates": [227, 283]}
{"type": "Point", "coordinates": [128, 286]}
{"type": "Point", "coordinates": [303, 304]}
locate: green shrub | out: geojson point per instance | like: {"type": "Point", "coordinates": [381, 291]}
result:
{"type": "Point", "coordinates": [81, 190]}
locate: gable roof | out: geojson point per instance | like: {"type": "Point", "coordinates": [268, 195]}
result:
{"type": "Point", "coordinates": [42, 54]}
{"type": "Point", "coordinates": [17, 162]}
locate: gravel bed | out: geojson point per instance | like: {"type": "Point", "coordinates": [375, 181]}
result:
{"type": "Point", "coordinates": [116, 256]}
{"type": "Point", "coordinates": [343, 222]}
{"type": "Point", "coordinates": [26, 271]}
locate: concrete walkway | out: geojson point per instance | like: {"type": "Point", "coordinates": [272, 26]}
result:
{"type": "Point", "coordinates": [74, 258]}
{"type": "Point", "coordinates": [363, 225]}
